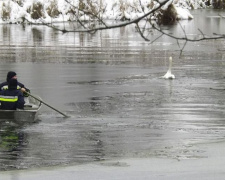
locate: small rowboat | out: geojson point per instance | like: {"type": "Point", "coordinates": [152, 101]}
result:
{"type": "Point", "coordinates": [28, 114]}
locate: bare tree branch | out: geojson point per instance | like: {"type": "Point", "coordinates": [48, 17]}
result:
{"type": "Point", "coordinates": [217, 36]}
{"type": "Point", "coordinates": [157, 38]}
{"type": "Point", "coordinates": [141, 32]}
{"type": "Point", "coordinates": [105, 26]}
{"type": "Point", "coordinates": [144, 32]}
{"type": "Point", "coordinates": [181, 50]}
{"type": "Point", "coordinates": [203, 35]}
{"type": "Point", "coordinates": [222, 35]}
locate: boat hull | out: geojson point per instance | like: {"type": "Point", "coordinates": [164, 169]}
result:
{"type": "Point", "coordinates": [29, 114]}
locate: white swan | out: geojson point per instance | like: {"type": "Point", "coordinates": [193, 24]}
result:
{"type": "Point", "coordinates": [169, 75]}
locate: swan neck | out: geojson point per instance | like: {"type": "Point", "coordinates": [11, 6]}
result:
{"type": "Point", "coordinates": [170, 65]}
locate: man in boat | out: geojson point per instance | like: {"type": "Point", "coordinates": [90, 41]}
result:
{"type": "Point", "coordinates": [12, 98]}
{"type": "Point", "coordinates": [12, 75]}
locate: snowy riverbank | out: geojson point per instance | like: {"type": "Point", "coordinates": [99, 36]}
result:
{"type": "Point", "coordinates": [38, 11]}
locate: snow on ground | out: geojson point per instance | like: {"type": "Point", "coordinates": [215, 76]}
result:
{"type": "Point", "coordinates": [183, 13]}
{"type": "Point", "coordinates": [18, 10]}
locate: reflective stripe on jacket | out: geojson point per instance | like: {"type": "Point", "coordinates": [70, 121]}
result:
{"type": "Point", "coordinates": [9, 98]}
{"type": "Point", "coordinates": [7, 87]}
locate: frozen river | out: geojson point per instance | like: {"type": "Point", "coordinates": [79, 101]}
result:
{"type": "Point", "coordinates": [109, 84]}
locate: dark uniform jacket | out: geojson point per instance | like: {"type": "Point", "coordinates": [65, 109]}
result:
{"type": "Point", "coordinates": [11, 99]}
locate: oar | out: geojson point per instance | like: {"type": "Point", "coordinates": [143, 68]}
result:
{"type": "Point", "coordinates": [46, 104]}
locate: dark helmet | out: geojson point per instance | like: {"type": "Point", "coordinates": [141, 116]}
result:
{"type": "Point", "coordinates": [12, 84]}
{"type": "Point", "coordinates": [10, 75]}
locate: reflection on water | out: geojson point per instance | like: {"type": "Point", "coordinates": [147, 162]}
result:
{"type": "Point", "coordinates": [42, 44]}
{"type": "Point", "coordinates": [12, 141]}
{"type": "Point", "coordinates": [109, 83]}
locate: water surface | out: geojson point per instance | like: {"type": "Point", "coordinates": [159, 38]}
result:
{"type": "Point", "coordinates": [109, 83]}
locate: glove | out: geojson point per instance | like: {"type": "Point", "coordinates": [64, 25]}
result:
{"type": "Point", "coordinates": [26, 94]}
